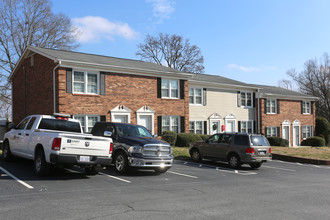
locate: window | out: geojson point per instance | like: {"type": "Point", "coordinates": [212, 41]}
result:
{"type": "Point", "coordinates": [306, 107]}
{"type": "Point", "coordinates": [271, 131]}
{"type": "Point", "coordinates": [271, 106]}
{"type": "Point", "coordinates": [242, 140]}
{"type": "Point", "coordinates": [170, 88]}
{"type": "Point", "coordinates": [85, 82]}
{"type": "Point", "coordinates": [307, 131]}
{"type": "Point", "coordinates": [23, 123]}
{"type": "Point", "coordinates": [246, 126]}
{"type": "Point", "coordinates": [87, 121]}
{"type": "Point", "coordinates": [170, 123]}
{"type": "Point", "coordinates": [246, 99]}
{"type": "Point", "coordinates": [196, 127]}
{"type": "Point", "coordinates": [195, 96]}
{"type": "Point", "coordinates": [31, 122]}
{"type": "Point", "coordinates": [59, 125]}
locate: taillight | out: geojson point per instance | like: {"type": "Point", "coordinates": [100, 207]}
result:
{"type": "Point", "coordinates": [270, 150]}
{"type": "Point", "coordinates": [56, 144]}
{"type": "Point", "coordinates": [111, 148]}
{"type": "Point", "coordinates": [249, 150]}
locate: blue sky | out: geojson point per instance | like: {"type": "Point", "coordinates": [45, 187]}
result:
{"type": "Point", "coordinates": [253, 41]}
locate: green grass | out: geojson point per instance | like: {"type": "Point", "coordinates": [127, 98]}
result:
{"type": "Point", "coordinates": [181, 153]}
{"type": "Point", "coordinates": [319, 153]}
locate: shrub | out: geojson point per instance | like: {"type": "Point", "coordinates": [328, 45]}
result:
{"type": "Point", "coordinates": [314, 142]}
{"type": "Point", "coordinates": [204, 136]}
{"type": "Point", "coordinates": [184, 139]}
{"type": "Point", "coordinates": [277, 141]}
{"type": "Point", "coordinates": [170, 137]}
{"type": "Point", "coordinates": [322, 129]}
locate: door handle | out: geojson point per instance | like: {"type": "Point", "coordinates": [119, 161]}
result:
{"type": "Point", "coordinates": [26, 134]}
{"type": "Point", "coordinates": [19, 133]}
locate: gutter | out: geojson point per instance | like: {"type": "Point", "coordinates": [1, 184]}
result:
{"type": "Point", "coordinates": [54, 86]}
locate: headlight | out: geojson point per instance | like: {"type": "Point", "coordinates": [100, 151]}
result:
{"type": "Point", "coordinates": [135, 149]}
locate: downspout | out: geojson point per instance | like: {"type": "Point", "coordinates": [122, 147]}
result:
{"type": "Point", "coordinates": [54, 86]}
{"type": "Point", "coordinates": [259, 130]}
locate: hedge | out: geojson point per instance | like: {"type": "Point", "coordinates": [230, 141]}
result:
{"type": "Point", "coordinates": [314, 142]}
{"type": "Point", "coordinates": [184, 139]}
{"type": "Point", "coordinates": [322, 129]}
{"type": "Point", "coordinates": [170, 137]}
{"type": "Point", "coordinates": [204, 136]}
{"type": "Point", "coordinates": [277, 141]}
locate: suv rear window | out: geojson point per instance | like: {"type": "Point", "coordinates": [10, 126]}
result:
{"type": "Point", "coordinates": [259, 141]}
{"type": "Point", "coordinates": [59, 125]}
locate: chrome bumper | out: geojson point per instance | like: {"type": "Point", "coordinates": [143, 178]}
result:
{"type": "Point", "coordinates": [142, 162]}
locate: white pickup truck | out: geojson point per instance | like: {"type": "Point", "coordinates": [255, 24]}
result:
{"type": "Point", "coordinates": [56, 140]}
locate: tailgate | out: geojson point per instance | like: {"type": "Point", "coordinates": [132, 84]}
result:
{"type": "Point", "coordinates": [89, 146]}
{"type": "Point", "coordinates": [261, 151]}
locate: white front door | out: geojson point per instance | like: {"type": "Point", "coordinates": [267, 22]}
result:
{"type": "Point", "coordinates": [215, 126]}
{"type": "Point", "coordinates": [120, 118]}
{"type": "Point", "coordinates": [230, 126]}
{"type": "Point", "coordinates": [295, 134]}
{"type": "Point", "coordinates": [145, 120]}
{"type": "Point", "coordinates": [285, 134]}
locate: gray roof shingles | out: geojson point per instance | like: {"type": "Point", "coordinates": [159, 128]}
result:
{"type": "Point", "coordinates": [136, 64]}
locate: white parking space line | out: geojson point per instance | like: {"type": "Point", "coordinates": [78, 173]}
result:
{"type": "Point", "coordinates": [114, 177]}
{"type": "Point", "coordinates": [278, 168]}
{"type": "Point", "coordinates": [300, 164]}
{"type": "Point", "coordinates": [220, 169]}
{"type": "Point", "coordinates": [15, 178]}
{"type": "Point", "coordinates": [181, 174]}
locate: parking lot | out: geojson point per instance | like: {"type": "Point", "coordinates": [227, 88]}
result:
{"type": "Point", "coordinates": [188, 190]}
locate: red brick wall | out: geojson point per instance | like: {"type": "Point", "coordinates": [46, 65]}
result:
{"type": "Point", "coordinates": [132, 91]}
{"type": "Point", "coordinates": [33, 91]}
{"type": "Point", "coordinates": [289, 110]}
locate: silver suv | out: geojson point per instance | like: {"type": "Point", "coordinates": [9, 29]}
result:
{"type": "Point", "coordinates": [234, 148]}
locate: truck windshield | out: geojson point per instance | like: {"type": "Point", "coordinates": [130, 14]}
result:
{"type": "Point", "coordinates": [132, 130]}
{"type": "Point", "coordinates": [59, 125]}
{"type": "Point", "coordinates": [259, 141]}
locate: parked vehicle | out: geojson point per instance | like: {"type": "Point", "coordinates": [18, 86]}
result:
{"type": "Point", "coordinates": [134, 146]}
{"type": "Point", "coordinates": [56, 140]}
{"type": "Point", "coordinates": [235, 148]}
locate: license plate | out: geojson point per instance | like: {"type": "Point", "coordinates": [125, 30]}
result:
{"type": "Point", "coordinates": [84, 158]}
{"type": "Point", "coordinates": [263, 152]}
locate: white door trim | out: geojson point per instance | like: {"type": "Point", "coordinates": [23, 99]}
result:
{"type": "Point", "coordinates": [146, 111]}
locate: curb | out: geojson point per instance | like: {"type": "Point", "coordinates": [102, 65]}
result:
{"type": "Point", "coordinates": [300, 160]}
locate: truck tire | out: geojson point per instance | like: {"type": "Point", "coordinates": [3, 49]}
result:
{"type": "Point", "coordinates": [6, 153]}
{"type": "Point", "coordinates": [161, 170]}
{"type": "Point", "coordinates": [92, 170]}
{"type": "Point", "coordinates": [121, 163]}
{"type": "Point", "coordinates": [255, 165]}
{"type": "Point", "coordinates": [41, 167]}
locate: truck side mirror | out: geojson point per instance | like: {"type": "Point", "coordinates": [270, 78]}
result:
{"type": "Point", "coordinates": [154, 136]}
{"type": "Point", "coordinates": [11, 126]}
{"type": "Point", "coordinates": [107, 134]}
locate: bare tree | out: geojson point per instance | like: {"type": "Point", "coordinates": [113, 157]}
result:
{"type": "Point", "coordinates": [172, 51]}
{"type": "Point", "coordinates": [315, 80]}
{"type": "Point", "coordinates": [24, 23]}
{"type": "Point", "coordinates": [286, 84]}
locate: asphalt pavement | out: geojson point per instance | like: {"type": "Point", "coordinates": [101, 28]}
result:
{"type": "Point", "coordinates": [208, 190]}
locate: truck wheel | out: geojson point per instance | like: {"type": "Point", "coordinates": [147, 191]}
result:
{"type": "Point", "coordinates": [161, 170]}
{"type": "Point", "coordinates": [92, 170]}
{"type": "Point", "coordinates": [121, 163]}
{"type": "Point", "coordinates": [234, 161]}
{"type": "Point", "coordinates": [6, 153]}
{"type": "Point", "coordinates": [41, 167]}
{"type": "Point", "coordinates": [255, 165]}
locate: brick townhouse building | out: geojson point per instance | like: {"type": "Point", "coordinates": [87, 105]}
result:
{"type": "Point", "coordinates": [99, 88]}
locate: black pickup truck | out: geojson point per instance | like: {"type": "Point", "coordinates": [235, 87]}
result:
{"type": "Point", "coordinates": [134, 146]}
